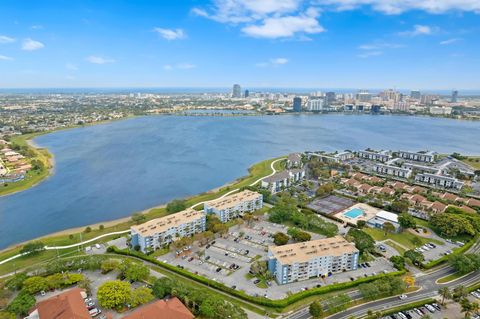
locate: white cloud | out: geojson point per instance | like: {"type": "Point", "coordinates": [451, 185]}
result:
{"type": "Point", "coordinates": [400, 6]}
{"type": "Point", "coordinates": [449, 41]}
{"type": "Point", "coordinates": [179, 66]}
{"type": "Point", "coordinates": [32, 45]}
{"type": "Point", "coordinates": [369, 54]}
{"type": "Point", "coordinates": [380, 45]}
{"type": "Point", "coordinates": [171, 34]}
{"type": "Point", "coordinates": [267, 18]}
{"type": "Point", "coordinates": [273, 63]}
{"type": "Point", "coordinates": [37, 27]}
{"type": "Point", "coordinates": [99, 60]}
{"type": "Point", "coordinates": [418, 29]}
{"type": "Point", "coordinates": [285, 26]}
{"type": "Point", "coordinates": [5, 58]}
{"type": "Point", "coordinates": [71, 67]}
{"type": "Point", "coordinates": [5, 39]}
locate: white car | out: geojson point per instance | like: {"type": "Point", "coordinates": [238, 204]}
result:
{"type": "Point", "coordinates": [97, 246]}
{"type": "Point", "coordinates": [402, 297]}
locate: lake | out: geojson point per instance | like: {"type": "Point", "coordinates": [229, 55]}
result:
{"type": "Point", "coordinates": [111, 170]}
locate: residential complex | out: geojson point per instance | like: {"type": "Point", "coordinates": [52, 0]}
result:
{"type": "Point", "coordinates": [392, 170]}
{"type": "Point", "coordinates": [428, 156]}
{"type": "Point", "coordinates": [235, 205]}
{"type": "Point", "coordinates": [382, 156]}
{"type": "Point", "coordinates": [162, 309]}
{"type": "Point", "coordinates": [162, 231]}
{"type": "Point", "coordinates": [301, 261]}
{"type": "Point", "coordinates": [67, 305]}
{"type": "Point", "coordinates": [439, 181]}
{"type": "Point", "coordinates": [282, 180]}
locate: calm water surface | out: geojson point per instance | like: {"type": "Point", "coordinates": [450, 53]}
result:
{"type": "Point", "coordinates": [111, 170]}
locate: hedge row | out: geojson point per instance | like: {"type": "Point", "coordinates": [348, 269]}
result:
{"type": "Point", "coordinates": [277, 304]}
{"type": "Point", "coordinates": [458, 251]}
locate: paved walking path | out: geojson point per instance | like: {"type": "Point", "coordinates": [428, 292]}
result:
{"type": "Point", "coordinates": [127, 231]}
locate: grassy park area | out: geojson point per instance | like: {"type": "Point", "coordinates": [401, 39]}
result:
{"type": "Point", "coordinates": [404, 239]}
{"type": "Point", "coordinates": [81, 234]}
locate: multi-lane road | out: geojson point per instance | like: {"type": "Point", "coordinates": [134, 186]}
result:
{"type": "Point", "coordinates": [428, 289]}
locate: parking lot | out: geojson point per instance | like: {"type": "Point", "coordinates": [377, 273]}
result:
{"type": "Point", "coordinates": [451, 310]}
{"type": "Point", "coordinates": [434, 250]}
{"type": "Point", "coordinates": [228, 259]}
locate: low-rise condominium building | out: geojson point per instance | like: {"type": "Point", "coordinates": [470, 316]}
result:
{"type": "Point", "coordinates": [392, 170]}
{"type": "Point", "coordinates": [235, 205]}
{"type": "Point", "coordinates": [382, 156]}
{"type": "Point", "coordinates": [159, 232]}
{"type": "Point", "coordinates": [316, 258]}
{"type": "Point", "coordinates": [439, 181]}
{"type": "Point", "coordinates": [282, 180]}
{"type": "Point", "coordinates": [427, 156]}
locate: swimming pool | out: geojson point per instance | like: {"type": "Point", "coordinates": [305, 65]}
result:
{"type": "Point", "coordinates": [354, 213]}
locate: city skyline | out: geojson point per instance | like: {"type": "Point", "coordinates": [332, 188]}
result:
{"type": "Point", "coordinates": [276, 43]}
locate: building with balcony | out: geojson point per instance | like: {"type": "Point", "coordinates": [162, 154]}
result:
{"type": "Point", "coordinates": [382, 156]}
{"type": "Point", "coordinates": [439, 181]}
{"type": "Point", "coordinates": [316, 258]}
{"type": "Point", "coordinates": [162, 231]}
{"type": "Point", "coordinates": [427, 157]}
{"type": "Point", "coordinates": [282, 180]}
{"type": "Point", "coordinates": [235, 205]}
{"type": "Point", "coordinates": [392, 170]}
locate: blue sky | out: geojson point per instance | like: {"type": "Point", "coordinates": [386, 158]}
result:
{"type": "Point", "coordinates": [424, 44]}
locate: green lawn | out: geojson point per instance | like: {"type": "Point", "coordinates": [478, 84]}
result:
{"type": "Point", "coordinates": [473, 161]}
{"type": "Point", "coordinates": [450, 277]}
{"type": "Point", "coordinates": [404, 238]}
{"type": "Point", "coordinates": [255, 172]}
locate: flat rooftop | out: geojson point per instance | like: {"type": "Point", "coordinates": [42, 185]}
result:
{"type": "Point", "coordinates": [233, 200]}
{"type": "Point", "coordinates": [303, 252]}
{"type": "Point", "coordinates": [159, 225]}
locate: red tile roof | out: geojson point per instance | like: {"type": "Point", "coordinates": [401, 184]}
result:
{"type": "Point", "coordinates": [67, 305]}
{"type": "Point", "coordinates": [473, 202]}
{"type": "Point", "coordinates": [161, 309]}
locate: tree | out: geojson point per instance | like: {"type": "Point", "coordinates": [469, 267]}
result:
{"type": "Point", "coordinates": [16, 282]}
{"type": "Point", "coordinates": [85, 284]}
{"type": "Point", "coordinates": [138, 218]}
{"type": "Point", "coordinates": [7, 315]}
{"type": "Point", "coordinates": [22, 303]}
{"type": "Point", "coordinates": [141, 296]}
{"type": "Point", "coordinates": [415, 256]}
{"type": "Point", "coordinates": [361, 223]}
{"type": "Point", "coordinates": [32, 248]}
{"type": "Point", "coordinates": [445, 293]}
{"type": "Point", "coordinates": [176, 206]}
{"type": "Point", "coordinates": [406, 221]}
{"type": "Point", "coordinates": [109, 265]}
{"type": "Point", "coordinates": [452, 225]}
{"type": "Point", "coordinates": [325, 189]}
{"type": "Point", "coordinates": [134, 271]}
{"type": "Point", "coordinates": [101, 227]}
{"type": "Point", "coordinates": [248, 217]}
{"type": "Point", "coordinates": [88, 230]}
{"type": "Point", "coordinates": [459, 293]}
{"type": "Point", "coordinates": [280, 239]}
{"type": "Point", "coordinates": [399, 206]}
{"type": "Point", "coordinates": [363, 241]}
{"type": "Point", "coordinates": [35, 284]}
{"type": "Point", "coordinates": [283, 209]}
{"type": "Point", "coordinates": [258, 267]}
{"type": "Point", "coordinates": [299, 235]}
{"type": "Point", "coordinates": [114, 294]}
{"type": "Point", "coordinates": [467, 307]}
{"type": "Point", "coordinates": [388, 228]}
{"type": "Point", "coordinates": [162, 287]}
{"type": "Point", "coordinates": [398, 262]}
{"type": "Point", "coordinates": [465, 263]}
{"type": "Point", "coordinates": [316, 310]}
{"type": "Point", "coordinates": [216, 308]}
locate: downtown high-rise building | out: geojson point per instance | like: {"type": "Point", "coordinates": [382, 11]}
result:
{"type": "Point", "coordinates": [247, 93]}
{"type": "Point", "coordinates": [297, 104]}
{"type": "Point", "coordinates": [415, 94]}
{"type": "Point", "coordinates": [237, 91]}
{"type": "Point", "coordinates": [454, 98]}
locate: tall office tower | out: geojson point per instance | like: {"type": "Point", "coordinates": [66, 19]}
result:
{"type": "Point", "coordinates": [331, 97]}
{"type": "Point", "coordinates": [297, 104]}
{"type": "Point", "coordinates": [237, 91]}
{"type": "Point", "coordinates": [415, 95]}
{"type": "Point", "coordinates": [454, 96]}
{"type": "Point", "coordinates": [247, 93]}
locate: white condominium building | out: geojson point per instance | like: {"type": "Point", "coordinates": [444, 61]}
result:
{"type": "Point", "coordinates": [382, 156]}
{"type": "Point", "coordinates": [427, 157]}
{"type": "Point", "coordinates": [233, 206]}
{"type": "Point", "coordinates": [392, 170]}
{"type": "Point", "coordinates": [162, 231]}
{"type": "Point", "coordinates": [301, 261]}
{"type": "Point", "coordinates": [439, 181]}
{"type": "Point", "coordinates": [282, 180]}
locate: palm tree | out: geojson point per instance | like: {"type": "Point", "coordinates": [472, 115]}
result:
{"type": "Point", "coordinates": [466, 307]}
{"type": "Point", "coordinates": [445, 293]}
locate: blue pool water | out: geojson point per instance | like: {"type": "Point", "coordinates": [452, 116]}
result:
{"type": "Point", "coordinates": [353, 213]}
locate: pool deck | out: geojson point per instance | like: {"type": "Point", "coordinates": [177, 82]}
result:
{"type": "Point", "coordinates": [369, 213]}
